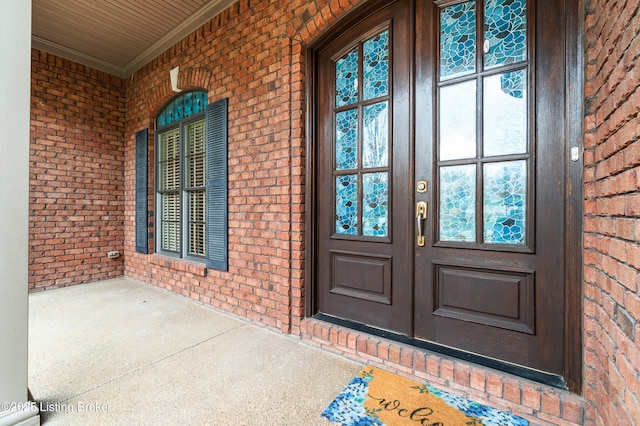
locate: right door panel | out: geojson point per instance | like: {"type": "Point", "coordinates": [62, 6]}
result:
{"type": "Point", "coordinates": [490, 145]}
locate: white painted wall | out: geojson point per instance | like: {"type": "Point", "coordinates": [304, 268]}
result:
{"type": "Point", "coordinates": [15, 77]}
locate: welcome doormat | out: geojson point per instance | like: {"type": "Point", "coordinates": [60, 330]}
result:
{"type": "Point", "coordinates": [378, 398]}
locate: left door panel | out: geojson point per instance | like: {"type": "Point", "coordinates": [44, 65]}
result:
{"type": "Point", "coordinates": [363, 228]}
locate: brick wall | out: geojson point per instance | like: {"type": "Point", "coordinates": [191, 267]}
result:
{"type": "Point", "coordinates": [76, 179]}
{"type": "Point", "coordinates": [259, 68]}
{"type": "Point", "coordinates": [612, 213]}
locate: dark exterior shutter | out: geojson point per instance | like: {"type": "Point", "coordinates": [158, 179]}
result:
{"type": "Point", "coordinates": [216, 167]}
{"type": "Point", "coordinates": [142, 245]}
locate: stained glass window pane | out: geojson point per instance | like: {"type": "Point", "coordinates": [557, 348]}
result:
{"type": "Point", "coordinates": [375, 204]}
{"type": "Point", "coordinates": [505, 32]}
{"type": "Point", "coordinates": [178, 113]}
{"type": "Point", "coordinates": [457, 121]}
{"type": "Point", "coordinates": [347, 205]}
{"type": "Point", "coordinates": [505, 113]}
{"type": "Point", "coordinates": [347, 79]}
{"type": "Point", "coordinates": [375, 129]}
{"type": "Point", "coordinates": [185, 106]}
{"type": "Point", "coordinates": [199, 102]}
{"type": "Point", "coordinates": [166, 117]}
{"type": "Point", "coordinates": [162, 119]}
{"type": "Point", "coordinates": [376, 66]}
{"type": "Point", "coordinates": [457, 39]}
{"type": "Point", "coordinates": [347, 140]}
{"type": "Point", "coordinates": [505, 194]}
{"type": "Point", "coordinates": [188, 104]}
{"type": "Point", "coordinates": [458, 203]}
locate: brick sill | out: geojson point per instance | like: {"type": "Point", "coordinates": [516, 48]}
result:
{"type": "Point", "coordinates": [532, 400]}
{"type": "Point", "coordinates": [195, 268]}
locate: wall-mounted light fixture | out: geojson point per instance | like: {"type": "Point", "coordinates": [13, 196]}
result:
{"type": "Point", "coordinates": [174, 79]}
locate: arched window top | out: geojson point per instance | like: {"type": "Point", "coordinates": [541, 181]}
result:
{"type": "Point", "coordinates": [181, 107]}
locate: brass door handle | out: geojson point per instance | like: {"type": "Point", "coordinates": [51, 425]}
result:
{"type": "Point", "coordinates": [421, 214]}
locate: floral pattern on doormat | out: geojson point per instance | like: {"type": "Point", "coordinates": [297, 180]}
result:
{"type": "Point", "coordinates": [378, 398]}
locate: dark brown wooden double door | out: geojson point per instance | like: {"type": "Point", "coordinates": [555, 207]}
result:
{"type": "Point", "coordinates": [440, 176]}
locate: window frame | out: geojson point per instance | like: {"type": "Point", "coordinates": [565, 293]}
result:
{"type": "Point", "coordinates": [183, 191]}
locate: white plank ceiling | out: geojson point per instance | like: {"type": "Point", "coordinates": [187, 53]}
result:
{"type": "Point", "coordinates": [117, 36]}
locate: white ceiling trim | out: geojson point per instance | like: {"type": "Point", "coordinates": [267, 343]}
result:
{"type": "Point", "coordinates": [75, 56]}
{"type": "Point", "coordinates": [193, 22]}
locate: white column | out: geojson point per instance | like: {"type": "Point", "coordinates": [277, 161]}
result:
{"type": "Point", "coordinates": [15, 77]}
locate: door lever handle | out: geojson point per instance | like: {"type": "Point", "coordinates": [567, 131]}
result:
{"type": "Point", "coordinates": [421, 215]}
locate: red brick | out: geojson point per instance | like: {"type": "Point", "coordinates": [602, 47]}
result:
{"type": "Point", "coordinates": [551, 403]}
{"type": "Point", "coordinates": [433, 365]}
{"type": "Point", "coordinates": [478, 379]}
{"type": "Point", "coordinates": [446, 369]}
{"type": "Point", "coordinates": [494, 384]}
{"type": "Point", "coordinates": [462, 374]}
{"type": "Point", "coordinates": [406, 357]}
{"type": "Point", "coordinates": [394, 354]}
{"type": "Point", "coordinates": [531, 396]}
{"type": "Point", "coordinates": [512, 390]}
{"type": "Point", "coordinates": [420, 361]}
{"type": "Point", "coordinates": [572, 409]}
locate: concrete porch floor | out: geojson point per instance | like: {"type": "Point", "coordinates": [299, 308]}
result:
{"type": "Point", "coordinates": [122, 352]}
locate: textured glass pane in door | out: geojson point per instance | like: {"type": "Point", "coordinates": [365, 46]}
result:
{"type": "Point", "coordinates": [375, 187]}
{"type": "Point", "coordinates": [457, 121]}
{"type": "Point", "coordinates": [375, 135]}
{"type": "Point", "coordinates": [376, 66]}
{"type": "Point", "coordinates": [347, 140]}
{"type": "Point", "coordinates": [505, 113]}
{"type": "Point", "coordinates": [347, 205]}
{"type": "Point", "coordinates": [458, 203]}
{"type": "Point", "coordinates": [505, 195]}
{"type": "Point", "coordinates": [457, 39]}
{"type": "Point", "coordinates": [505, 32]}
{"type": "Point", "coordinates": [347, 79]}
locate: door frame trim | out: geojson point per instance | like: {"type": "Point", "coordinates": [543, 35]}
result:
{"type": "Point", "coordinates": [574, 195]}
{"type": "Point", "coordinates": [349, 19]}
{"type": "Point", "coordinates": [572, 378]}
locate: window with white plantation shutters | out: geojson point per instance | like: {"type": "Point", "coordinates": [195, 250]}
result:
{"type": "Point", "coordinates": [191, 189]}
